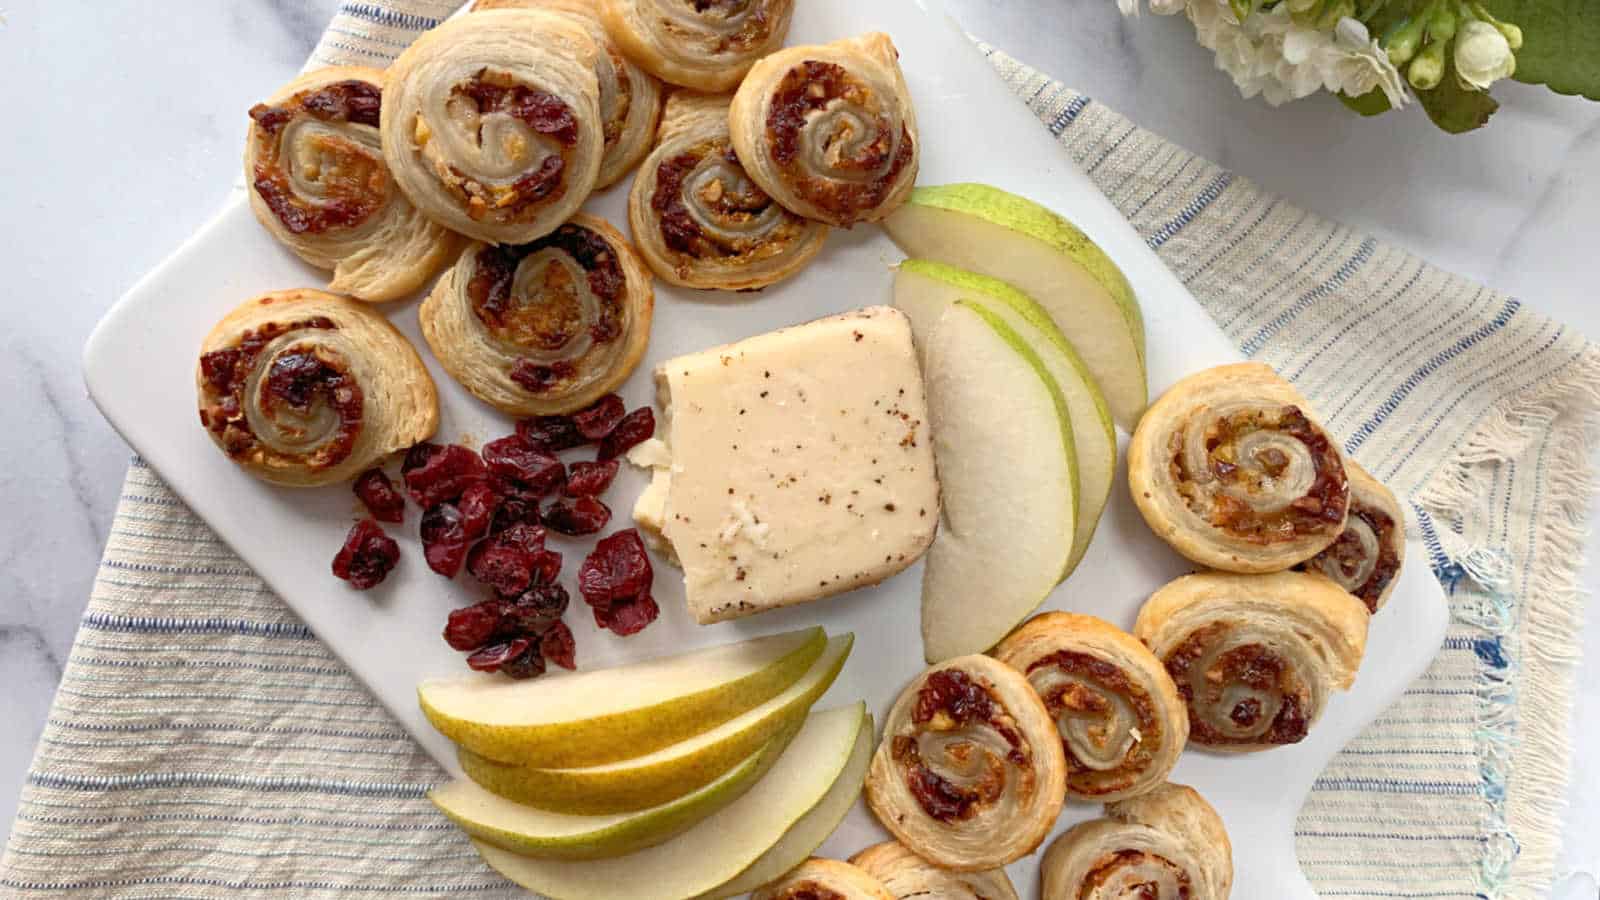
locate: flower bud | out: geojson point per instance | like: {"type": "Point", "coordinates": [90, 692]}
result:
{"type": "Point", "coordinates": [1401, 41]}
{"type": "Point", "coordinates": [1442, 24]}
{"type": "Point", "coordinates": [1427, 69]}
{"type": "Point", "coordinates": [1483, 55]}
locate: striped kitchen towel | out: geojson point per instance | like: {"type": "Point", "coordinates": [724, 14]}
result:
{"type": "Point", "coordinates": [203, 742]}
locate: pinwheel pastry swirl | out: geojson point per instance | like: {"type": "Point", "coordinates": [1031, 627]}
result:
{"type": "Point", "coordinates": [907, 875]}
{"type": "Point", "coordinates": [1231, 470]}
{"type": "Point", "coordinates": [699, 220]}
{"type": "Point", "coordinates": [544, 327]}
{"type": "Point", "coordinates": [1168, 844]}
{"type": "Point", "coordinates": [319, 184]}
{"type": "Point", "coordinates": [630, 97]}
{"type": "Point", "coordinates": [491, 123]}
{"type": "Point", "coordinates": [824, 879]}
{"type": "Point", "coordinates": [970, 774]}
{"type": "Point", "coordinates": [1254, 656]}
{"type": "Point", "coordinates": [829, 130]}
{"type": "Point", "coordinates": [1366, 557]}
{"type": "Point", "coordinates": [704, 45]}
{"type": "Point", "coordinates": [1121, 719]}
{"type": "Point", "coordinates": [303, 388]}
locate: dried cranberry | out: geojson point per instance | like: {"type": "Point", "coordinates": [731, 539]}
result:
{"type": "Point", "coordinates": [444, 539]}
{"type": "Point", "coordinates": [518, 505]}
{"type": "Point", "coordinates": [956, 694]}
{"type": "Point", "coordinates": [635, 427]}
{"type": "Point", "coordinates": [492, 657]}
{"type": "Point", "coordinates": [550, 433]}
{"type": "Point", "coordinates": [440, 474]}
{"type": "Point", "coordinates": [367, 555]}
{"type": "Point", "coordinates": [618, 569]}
{"type": "Point", "coordinates": [471, 627]}
{"type": "Point", "coordinates": [506, 561]}
{"type": "Point", "coordinates": [478, 505]}
{"type": "Point", "coordinates": [377, 493]}
{"type": "Point", "coordinates": [576, 515]}
{"type": "Point", "coordinates": [546, 567]}
{"type": "Point", "coordinates": [527, 664]}
{"type": "Point", "coordinates": [590, 479]}
{"type": "Point", "coordinates": [597, 420]}
{"type": "Point", "coordinates": [218, 367]}
{"type": "Point", "coordinates": [627, 617]}
{"type": "Point", "coordinates": [558, 646]}
{"type": "Point", "coordinates": [534, 612]}
{"type": "Point", "coordinates": [512, 457]}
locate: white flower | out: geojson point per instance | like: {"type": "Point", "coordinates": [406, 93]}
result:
{"type": "Point", "coordinates": [1272, 55]}
{"type": "Point", "coordinates": [1363, 65]}
{"type": "Point", "coordinates": [1483, 55]}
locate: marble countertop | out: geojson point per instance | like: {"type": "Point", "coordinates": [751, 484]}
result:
{"type": "Point", "coordinates": [110, 165]}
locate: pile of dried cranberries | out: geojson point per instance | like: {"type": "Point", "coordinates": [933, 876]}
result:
{"type": "Point", "coordinates": [489, 512]}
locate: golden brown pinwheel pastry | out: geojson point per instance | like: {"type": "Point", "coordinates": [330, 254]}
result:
{"type": "Point", "coordinates": [318, 182]}
{"type": "Point", "coordinates": [824, 879]}
{"type": "Point", "coordinates": [1366, 557]}
{"type": "Point", "coordinates": [630, 97]}
{"type": "Point", "coordinates": [699, 220]}
{"type": "Point", "coordinates": [1121, 720]}
{"type": "Point", "coordinates": [303, 388]}
{"type": "Point", "coordinates": [704, 45]}
{"type": "Point", "coordinates": [829, 130]}
{"type": "Point", "coordinates": [1254, 656]}
{"type": "Point", "coordinates": [907, 875]}
{"type": "Point", "coordinates": [544, 327]}
{"type": "Point", "coordinates": [1168, 844]}
{"type": "Point", "coordinates": [491, 123]}
{"type": "Point", "coordinates": [1231, 470]}
{"type": "Point", "coordinates": [970, 774]}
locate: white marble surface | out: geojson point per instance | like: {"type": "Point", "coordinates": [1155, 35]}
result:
{"type": "Point", "coordinates": [108, 165]}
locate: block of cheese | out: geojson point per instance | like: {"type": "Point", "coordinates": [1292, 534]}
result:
{"type": "Point", "coordinates": [793, 465]}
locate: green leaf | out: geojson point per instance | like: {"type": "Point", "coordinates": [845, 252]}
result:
{"type": "Point", "coordinates": [1454, 108]}
{"type": "Point", "coordinates": [1560, 43]}
{"type": "Point", "coordinates": [1372, 103]}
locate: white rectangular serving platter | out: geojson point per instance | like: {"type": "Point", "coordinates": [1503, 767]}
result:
{"type": "Point", "coordinates": [139, 367]}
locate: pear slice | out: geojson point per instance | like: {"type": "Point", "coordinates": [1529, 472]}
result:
{"type": "Point", "coordinates": [535, 832]}
{"type": "Point", "coordinates": [1006, 473]}
{"type": "Point", "coordinates": [806, 835]}
{"type": "Point", "coordinates": [658, 777]}
{"type": "Point", "coordinates": [923, 289]}
{"type": "Point", "coordinates": [605, 715]}
{"type": "Point", "coordinates": [991, 232]}
{"type": "Point", "coordinates": [721, 846]}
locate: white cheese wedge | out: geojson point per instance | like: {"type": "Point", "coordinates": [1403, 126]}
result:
{"type": "Point", "coordinates": [798, 464]}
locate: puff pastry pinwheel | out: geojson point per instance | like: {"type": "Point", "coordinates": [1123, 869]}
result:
{"type": "Point", "coordinates": [544, 327]}
{"type": "Point", "coordinates": [829, 130]}
{"type": "Point", "coordinates": [1168, 844]}
{"type": "Point", "coordinates": [824, 879]}
{"type": "Point", "coordinates": [319, 184]}
{"type": "Point", "coordinates": [630, 97]}
{"type": "Point", "coordinates": [908, 875]}
{"type": "Point", "coordinates": [704, 45]}
{"type": "Point", "coordinates": [1231, 470]}
{"type": "Point", "coordinates": [491, 123]}
{"type": "Point", "coordinates": [699, 220]}
{"type": "Point", "coordinates": [1121, 719]}
{"type": "Point", "coordinates": [303, 388]}
{"type": "Point", "coordinates": [1254, 656]}
{"type": "Point", "coordinates": [1366, 557]}
{"type": "Point", "coordinates": [970, 774]}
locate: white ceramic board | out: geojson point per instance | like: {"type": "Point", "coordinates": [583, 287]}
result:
{"type": "Point", "coordinates": [139, 368]}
